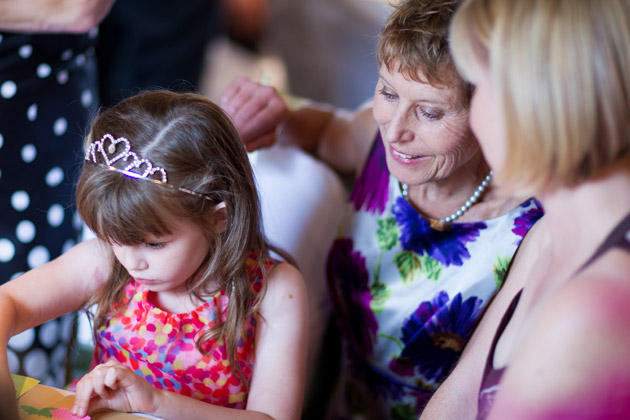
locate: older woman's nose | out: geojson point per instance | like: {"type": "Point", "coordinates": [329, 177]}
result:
{"type": "Point", "coordinates": [399, 128]}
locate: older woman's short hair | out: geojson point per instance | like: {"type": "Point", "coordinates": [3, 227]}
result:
{"type": "Point", "coordinates": [561, 75]}
{"type": "Point", "coordinates": [414, 41]}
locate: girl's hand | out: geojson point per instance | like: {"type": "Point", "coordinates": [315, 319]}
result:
{"type": "Point", "coordinates": [115, 387]}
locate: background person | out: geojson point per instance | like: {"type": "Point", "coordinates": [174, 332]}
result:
{"type": "Point", "coordinates": [48, 92]}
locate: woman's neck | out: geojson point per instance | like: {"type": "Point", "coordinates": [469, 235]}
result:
{"type": "Point", "coordinates": [580, 218]}
{"type": "Point", "coordinates": [442, 197]}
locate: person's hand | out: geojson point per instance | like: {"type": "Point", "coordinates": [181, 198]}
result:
{"type": "Point", "coordinates": [256, 110]}
{"type": "Point", "coordinates": [115, 387]}
{"type": "Point", "coordinates": [53, 16]}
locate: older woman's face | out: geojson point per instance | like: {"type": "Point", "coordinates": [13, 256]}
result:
{"type": "Point", "coordinates": [424, 129]}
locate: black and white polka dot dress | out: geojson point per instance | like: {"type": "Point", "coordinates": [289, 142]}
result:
{"type": "Point", "coordinates": [47, 96]}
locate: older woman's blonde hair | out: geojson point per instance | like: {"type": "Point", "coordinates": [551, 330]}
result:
{"type": "Point", "coordinates": [561, 76]}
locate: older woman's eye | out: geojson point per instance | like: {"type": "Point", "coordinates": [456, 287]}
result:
{"type": "Point", "coordinates": [387, 95]}
{"type": "Point", "coordinates": [429, 114]}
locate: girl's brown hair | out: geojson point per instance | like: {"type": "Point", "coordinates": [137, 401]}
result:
{"type": "Point", "coordinates": [195, 142]}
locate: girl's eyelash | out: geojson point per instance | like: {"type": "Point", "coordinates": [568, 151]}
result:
{"type": "Point", "coordinates": [155, 245]}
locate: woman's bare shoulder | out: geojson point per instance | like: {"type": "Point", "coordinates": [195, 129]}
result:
{"type": "Point", "coordinates": [578, 338]}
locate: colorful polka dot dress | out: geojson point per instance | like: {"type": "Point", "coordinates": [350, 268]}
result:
{"type": "Point", "coordinates": [47, 96]}
{"type": "Point", "coordinates": [161, 347]}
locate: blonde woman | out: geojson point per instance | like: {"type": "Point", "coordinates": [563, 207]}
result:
{"type": "Point", "coordinates": [551, 111]}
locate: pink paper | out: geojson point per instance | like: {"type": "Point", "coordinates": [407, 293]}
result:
{"type": "Point", "coordinates": [65, 414]}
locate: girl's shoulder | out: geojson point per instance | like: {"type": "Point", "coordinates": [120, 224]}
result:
{"type": "Point", "coordinates": [271, 272]}
{"type": "Point", "coordinates": [285, 292]}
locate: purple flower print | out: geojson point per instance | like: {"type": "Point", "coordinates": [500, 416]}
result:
{"type": "Point", "coordinates": [526, 220]}
{"type": "Point", "coordinates": [448, 247]}
{"type": "Point", "coordinates": [371, 186]}
{"type": "Point", "coordinates": [435, 334]}
{"type": "Point", "coordinates": [348, 285]}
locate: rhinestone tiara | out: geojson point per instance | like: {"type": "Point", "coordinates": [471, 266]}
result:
{"type": "Point", "coordinates": [109, 150]}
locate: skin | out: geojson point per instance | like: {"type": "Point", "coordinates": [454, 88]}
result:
{"type": "Point", "coordinates": [52, 16]}
{"type": "Point", "coordinates": [66, 283]}
{"type": "Point", "coordinates": [485, 121]}
{"type": "Point", "coordinates": [566, 348]}
{"type": "Point", "coordinates": [562, 357]}
{"type": "Point", "coordinates": [164, 264]}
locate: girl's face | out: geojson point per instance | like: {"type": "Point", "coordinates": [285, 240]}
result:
{"type": "Point", "coordinates": [163, 264]}
{"type": "Point", "coordinates": [424, 129]}
{"type": "Point", "coordinates": [484, 121]}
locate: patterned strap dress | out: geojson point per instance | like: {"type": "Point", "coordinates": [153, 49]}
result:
{"type": "Point", "coordinates": [160, 346]}
{"type": "Point", "coordinates": [407, 296]}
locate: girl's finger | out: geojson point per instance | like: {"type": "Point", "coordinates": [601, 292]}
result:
{"type": "Point", "coordinates": [98, 404]}
{"type": "Point", "coordinates": [98, 381]}
{"type": "Point", "coordinates": [82, 397]}
{"type": "Point", "coordinates": [111, 378]}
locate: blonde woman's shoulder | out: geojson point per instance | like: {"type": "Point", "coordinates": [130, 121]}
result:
{"type": "Point", "coordinates": [578, 341]}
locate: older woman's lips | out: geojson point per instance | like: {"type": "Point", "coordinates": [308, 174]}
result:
{"type": "Point", "coordinates": [403, 158]}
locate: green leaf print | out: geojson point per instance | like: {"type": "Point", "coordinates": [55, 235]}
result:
{"type": "Point", "coordinates": [403, 412]}
{"type": "Point", "coordinates": [409, 265]}
{"type": "Point", "coordinates": [379, 293]}
{"type": "Point", "coordinates": [431, 268]}
{"type": "Point", "coordinates": [43, 412]}
{"type": "Point", "coordinates": [386, 238]}
{"type": "Point", "coordinates": [387, 233]}
{"type": "Point", "coordinates": [500, 269]}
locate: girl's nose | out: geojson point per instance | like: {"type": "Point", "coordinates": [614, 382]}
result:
{"type": "Point", "coordinates": [131, 258]}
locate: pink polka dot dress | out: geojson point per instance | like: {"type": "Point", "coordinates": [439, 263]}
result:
{"type": "Point", "coordinates": [160, 346]}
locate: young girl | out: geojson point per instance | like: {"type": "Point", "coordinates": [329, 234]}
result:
{"type": "Point", "coordinates": [188, 299]}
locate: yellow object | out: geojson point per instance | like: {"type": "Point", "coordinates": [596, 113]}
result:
{"type": "Point", "coordinates": [22, 384]}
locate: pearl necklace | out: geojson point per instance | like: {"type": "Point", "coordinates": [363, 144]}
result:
{"type": "Point", "coordinates": [404, 188]}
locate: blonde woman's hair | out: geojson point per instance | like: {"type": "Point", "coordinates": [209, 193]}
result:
{"type": "Point", "coordinates": [414, 41]}
{"type": "Point", "coordinates": [195, 142]}
{"type": "Point", "coordinates": [561, 76]}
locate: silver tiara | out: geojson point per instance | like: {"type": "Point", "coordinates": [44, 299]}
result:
{"type": "Point", "coordinates": [108, 150]}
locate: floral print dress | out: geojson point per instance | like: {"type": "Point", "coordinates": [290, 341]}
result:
{"type": "Point", "coordinates": [406, 296]}
{"type": "Point", "coordinates": [161, 347]}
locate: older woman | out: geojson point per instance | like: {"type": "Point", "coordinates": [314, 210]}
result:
{"type": "Point", "coordinates": [555, 76]}
{"type": "Point", "coordinates": [426, 240]}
